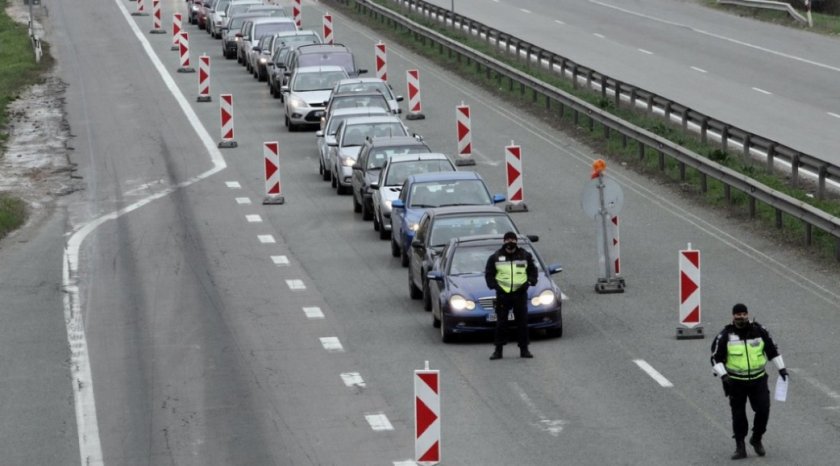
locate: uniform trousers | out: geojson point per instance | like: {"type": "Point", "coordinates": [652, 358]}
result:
{"type": "Point", "coordinates": [758, 394]}
{"type": "Point", "coordinates": [518, 301]}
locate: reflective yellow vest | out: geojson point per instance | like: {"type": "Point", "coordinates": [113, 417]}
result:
{"type": "Point", "coordinates": [511, 275]}
{"type": "Point", "coordinates": [745, 360]}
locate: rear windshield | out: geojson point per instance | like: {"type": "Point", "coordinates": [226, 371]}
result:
{"type": "Point", "coordinates": [446, 228]}
{"type": "Point", "coordinates": [356, 135]}
{"type": "Point", "coordinates": [352, 101]}
{"type": "Point", "coordinates": [449, 193]}
{"type": "Point", "coordinates": [261, 30]}
{"type": "Point", "coordinates": [342, 59]}
{"type": "Point", "coordinates": [365, 87]}
{"type": "Point", "coordinates": [399, 171]}
{"type": "Point", "coordinates": [322, 81]}
{"type": "Point", "coordinates": [378, 157]}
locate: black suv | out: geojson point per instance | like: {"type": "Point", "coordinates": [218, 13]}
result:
{"type": "Point", "coordinates": [324, 54]}
{"type": "Point", "coordinates": [372, 157]}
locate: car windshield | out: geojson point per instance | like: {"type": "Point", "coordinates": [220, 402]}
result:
{"type": "Point", "coordinates": [378, 157]}
{"type": "Point", "coordinates": [236, 23]}
{"type": "Point", "coordinates": [399, 171]}
{"type": "Point", "coordinates": [365, 86]}
{"type": "Point", "coordinates": [356, 135]}
{"type": "Point", "coordinates": [261, 30]}
{"type": "Point", "coordinates": [443, 193]}
{"type": "Point", "coordinates": [468, 259]}
{"type": "Point", "coordinates": [445, 228]}
{"type": "Point", "coordinates": [320, 81]}
{"type": "Point", "coordinates": [352, 101]}
{"type": "Point", "coordinates": [238, 8]}
{"type": "Point", "coordinates": [301, 39]}
{"type": "Point", "coordinates": [342, 59]}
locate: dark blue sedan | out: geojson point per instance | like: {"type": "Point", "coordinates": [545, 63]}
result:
{"type": "Point", "coordinates": [428, 190]}
{"type": "Point", "coordinates": [462, 303]}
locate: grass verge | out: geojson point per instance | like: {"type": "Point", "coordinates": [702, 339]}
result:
{"type": "Point", "coordinates": [687, 181]}
{"type": "Point", "coordinates": [18, 70]}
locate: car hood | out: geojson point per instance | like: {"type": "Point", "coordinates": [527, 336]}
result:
{"type": "Point", "coordinates": [473, 286]}
{"type": "Point", "coordinates": [350, 151]}
{"type": "Point", "coordinates": [314, 97]}
{"type": "Point", "coordinates": [389, 193]}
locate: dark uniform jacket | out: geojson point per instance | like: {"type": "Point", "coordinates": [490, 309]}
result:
{"type": "Point", "coordinates": [501, 255]}
{"type": "Point", "coordinates": [753, 330]}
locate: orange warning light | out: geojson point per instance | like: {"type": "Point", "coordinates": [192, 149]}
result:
{"type": "Point", "coordinates": [598, 166]}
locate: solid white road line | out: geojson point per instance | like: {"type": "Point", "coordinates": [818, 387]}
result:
{"type": "Point", "coordinates": [331, 344]}
{"type": "Point", "coordinates": [313, 313]}
{"type": "Point", "coordinates": [524, 10]}
{"type": "Point", "coordinates": [600, 36]}
{"type": "Point", "coordinates": [266, 239]}
{"type": "Point", "coordinates": [833, 114]}
{"type": "Point", "coordinates": [253, 218]}
{"type": "Point", "coordinates": [558, 21]}
{"type": "Point", "coordinates": [379, 422]}
{"type": "Point", "coordinates": [353, 379]}
{"type": "Point", "coordinates": [762, 91]}
{"type": "Point", "coordinates": [233, 184]}
{"type": "Point", "coordinates": [698, 69]}
{"type": "Point", "coordinates": [295, 284]}
{"type": "Point", "coordinates": [243, 201]}
{"type": "Point", "coordinates": [646, 51]}
{"type": "Point", "coordinates": [280, 260]}
{"type": "Point", "coordinates": [653, 373]}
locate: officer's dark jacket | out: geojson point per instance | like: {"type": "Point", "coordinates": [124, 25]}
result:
{"type": "Point", "coordinates": [519, 255]}
{"type": "Point", "coordinates": [750, 331]}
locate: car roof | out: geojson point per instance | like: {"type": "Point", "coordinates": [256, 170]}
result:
{"type": "Point", "coordinates": [272, 19]}
{"type": "Point", "coordinates": [455, 211]}
{"type": "Point", "coordinates": [318, 69]}
{"type": "Point", "coordinates": [261, 7]}
{"type": "Point", "coordinates": [358, 94]}
{"type": "Point", "coordinates": [301, 32]}
{"type": "Point", "coordinates": [486, 240]}
{"type": "Point", "coordinates": [321, 48]}
{"type": "Point", "coordinates": [395, 140]}
{"type": "Point", "coordinates": [360, 111]}
{"type": "Point", "coordinates": [366, 79]}
{"type": "Point", "coordinates": [412, 157]}
{"type": "Point", "coordinates": [444, 176]}
{"type": "Point", "coordinates": [386, 118]}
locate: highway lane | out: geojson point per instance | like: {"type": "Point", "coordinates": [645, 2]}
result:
{"type": "Point", "coordinates": [774, 81]}
{"type": "Point", "coordinates": [202, 354]}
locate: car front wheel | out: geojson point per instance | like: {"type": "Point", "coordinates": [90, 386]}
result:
{"type": "Point", "coordinates": [413, 291]}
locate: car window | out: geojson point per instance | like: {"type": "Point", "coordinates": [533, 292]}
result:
{"type": "Point", "coordinates": [358, 133]}
{"type": "Point", "coordinates": [342, 59]}
{"type": "Point", "coordinates": [261, 30]}
{"type": "Point", "coordinates": [377, 159]}
{"type": "Point", "coordinates": [423, 228]}
{"type": "Point", "coordinates": [321, 81]}
{"type": "Point", "coordinates": [352, 101]}
{"type": "Point", "coordinates": [446, 228]}
{"type": "Point", "coordinates": [365, 87]}
{"type": "Point", "coordinates": [401, 170]}
{"type": "Point", "coordinates": [380, 155]}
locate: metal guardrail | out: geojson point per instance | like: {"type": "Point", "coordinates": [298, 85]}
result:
{"type": "Point", "coordinates": [730, 137]}
{"type": "Point", "coordinates": [768, 5]}
{"type": "Point", "coordinates": [782, 203]}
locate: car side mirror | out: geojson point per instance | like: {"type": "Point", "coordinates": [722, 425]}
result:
{"type": "Point", "coordinates": [238, 34]}
{"type": "Point", "coordinates": [319, 134]}
{"type": "Point", "coordinates": [362, 71]}
{"type": "Point", "coordinates": [375, 186]}
{"type": "Point", "coordinates": [418, 137]}
{"type": "Point", "coordinates": [399, 98]}
{"type": "Point", "coordinates": [256, 49]}
{"type": "Point", "coordinates": [416, 243]}
{"type": "Point", "coordinates": [554, 268]}
{"type": "Point", "coordinates": [533, 238]}
{"type": "Point", "coordinates": [356, 167]}
{"type": "Point", "coordinates": [497, 198]}
{"type": "Point", "coordinates": [436, 276]}
{"type": "Point", "coordinates": [397, 204]}
{"type": "Point", "coordinates": [284, 89]}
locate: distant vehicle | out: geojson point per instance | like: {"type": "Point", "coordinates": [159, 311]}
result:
{"type": "Point", "coordinates": [422, 192]}
{"type": "Point", "coordinates": [232, 33]}
{"type": "Point", "coordinates": [203, 13]}
{"type": "Point", "coordinates": [370, 84]}
{"type": "Point", "coordinates": [256, 28]}
{"type": "Point", "coordinates": [233, 8]}
{"type": "Point", "coordinates": [192, 10]}
{"type": "Point", "coordinates": [391, 178]}
{"type": "Point", "coordinates": [439, 225]}
{"type": "Point", "coordinates": [372, 158]}
{"type": "Point", "coordinates": [325, 138]}
{"type": "Point", "coordinates": [356, 99]}
{"type": "Point", "coordinates": [350, 137]}
{"type": "Point", "coordinates": [322, 55]}
{"type": "Point", "coordinates": [304, 96]}
{"type": "Point", "coordinates": [462, 303]}
{"type": "Point", "coordinates": [215, 18]}
{"type": "Point", "coordinates": [281, 44]}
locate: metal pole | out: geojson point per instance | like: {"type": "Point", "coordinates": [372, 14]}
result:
{"type": "Point", "coordinates": [604, 214]}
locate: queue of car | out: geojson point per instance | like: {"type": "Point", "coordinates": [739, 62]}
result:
{"type": "Point", "coordinates": [442, 223]}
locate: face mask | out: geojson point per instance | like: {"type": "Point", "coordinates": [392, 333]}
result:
{"type": "Point", "coordinates": [740, 322]}
{"type": "Point", "coordinates": [510, 247]}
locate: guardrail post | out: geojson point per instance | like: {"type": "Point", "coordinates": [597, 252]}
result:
{"type": "Point", "coordinates": [589, 74]}
{"type": "Point", "coordinates": [591, 121]}
{"type": "Point", "coordinates": [682, 171]}
{"type": "Point", "coordinates": [661, 160]}
{"type": "Point", "coordinates": [794, 171]}
{"type": "Point", "coordinates": [632, 97]}
{"type": "Point", "coordinates": [623, 140]}
{"type": "Point", "coordinates": [685, 120]}
{"type": "Point", "coordinates": [576, 118]}
{"type": "Point", "coordinates": [724, 138]}
{"type": "Point", "coordinates": [747, 142]}
{"type": "Point", "coordinates": [641, 151]}
{"type": "Point", "coordinates": [727, 193]}
{"type": "Point", "coordinates": [603, 87]}
{"type": "Point", "coordinates": [704, 183]}
{"type": "Point", "coordinates": [704, 129]}
{"type": "Point", "coordinates": [551, 62]}
{"type": "Point", "coordinates": [617, 96]}
{"type": "Point", "coordinates": [668, 104]}
{"type": "Point", "coordinates": [837, 249]}
{"type": "Point", "coordinates": [606, 132]}
{"type": "Point", "coordinates": [650, 103]}
{"type": "Point", "coordinates": [823, 172]}
{"type": "Point", "coordinates": [574, 75]}
{"type": "Point", "coordinates": [808, 234]}
{"type": "Point", "coordinates": [752, 207]}
{"type": "Point", "coordinates": [771, 155]}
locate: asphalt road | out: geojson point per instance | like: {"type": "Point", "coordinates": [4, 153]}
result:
{"type": "Point", "coordinates": [203, 352]}
{"type": "Point", "coordinates": [775, 81]}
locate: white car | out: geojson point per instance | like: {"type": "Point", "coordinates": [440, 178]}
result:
{"type": "Point", "coordinates": [326, 137]}
{"type": "Point", "coordinates": [391, 178]}
{"type": "Point", "coordinates": [304, 96]}
{"type": "Point", "coordinates": [370, 84]}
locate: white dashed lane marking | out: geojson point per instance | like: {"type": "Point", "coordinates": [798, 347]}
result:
{"type": "Point", "coordinates": [379, 422]}
{"type": "Point", "coordinates": [233, 184]}
{"type": "Point", "coordinates": [558, 21]}
{"type": "Point", "coordinates": [280, 260]}
{"type": "Point", "coordinates": [313, 313]}
{"type": "Point", "coordinates": [762, 91]}
{"type": "Point", "coordinates": [646, 51]}
{"type": "Point", "coordinates": [332, 345]}
{"type": "Point", "coordinates": [295, 284]}
{"type": "Point", "coordinates": [524, 10]}
{"type": "Point", "coordinates": [833, 114]}
{"type": "Point", "coordinates": [253, 218]}
{"type": "Point", "coordinates": [243, 201]}
{"type": "Point", "coordinates": [352, 379]}
{"type": "Point", "coordinates": [266, 239]}
{"type": "Point", "coordinates": [653, 373]}
{"type": "Point", "coordinates": [701, 70]}
{"type": "Point", "coordinates": [600, 36]}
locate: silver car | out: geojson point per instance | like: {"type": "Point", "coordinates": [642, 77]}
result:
{"type": "Point", "coordinates": [370, 84]}
{"type": "Point", "coordinates": [391, 178]}
{"type": "Point", "coordinates": [326, 137]}
{"type": "Point", "coordinates": [234, 7]}
{"type": "Point", "coordinates": [350, 137]}
{"type": "Point", "coordinates": [309, 87]}
{"type": "Point", "coordinates": [256, 30]}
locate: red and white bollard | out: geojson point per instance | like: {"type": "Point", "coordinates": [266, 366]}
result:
{"type": "Point", "coordinates": [380, 54]}
{"type": "Point", "coordinates": [615, 245]}
{"type": "Point", "coordinates": [141, 9]}
{"type": "Point", "coordinates": [463, 124]}
{"type": "Point", "coordinates": [226, 111]}
{"type": "Point", "coordinates": [273, 188]}
{"type": "Point", "coordinates": [513, 164]}
{"type": "Point", "coordinates": [689, 273]}
{"type": "Point", "coordinates": [184, 45]}
{"type": "Point", "coordinates": [157, 25]}
{"type": "Point", "coordinates": [328, 29]}
{"type": "Point", "coordinates": [427, 416]}
{"type": "Point", "coordinates": [415, 110]}
{"type": "Point", "coordinates": [203, 79]}
{"type": "Point", "coordinates": [176, 31]}
{"type": "Point", "coordinates": [296, 13]}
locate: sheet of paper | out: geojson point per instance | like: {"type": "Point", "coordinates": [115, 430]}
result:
{"type": "Point", "coordinates": [781, 389]}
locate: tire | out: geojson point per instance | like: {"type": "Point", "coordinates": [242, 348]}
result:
{"type": "Point", "coordinates": [554, 332]}
{"type": "Point", "coordinates": [427, 297]}
{"type": "Point", "coordinates": [435, 321]}
{"type": "Point", "coordinates": [375, 222]}
{"type": "Point", "coordinates": [333, 180]}
{"type": "Point", "coordinates": [339, 189]}
{"type": "Point", "coordinates": [403, 256]}
{"type": "Point", "coordinates": [383, 233]}
{"type": "Point", "coordinates": [326, 175]}
{"type": "Point", "coordinates": [366, 212]}
{"type": "Point", "coordinates": [446, 335]}
{"type": "Point", "coordinates": [413, 291]}
{"type": "Point", "coordinates": [357, 207]}
{"type": "Point", "coordinates": [395, 250]}
{"type": "Point", "coordinates": [286, 121]}
{"type": "Point", "coordinates": [261, 77]}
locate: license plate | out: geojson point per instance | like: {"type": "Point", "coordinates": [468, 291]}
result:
{"type": "Point", "coordinates": [491, 317]}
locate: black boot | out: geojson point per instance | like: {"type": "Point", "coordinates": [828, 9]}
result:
{"type": "Point", "coordinates": [740, 450]}
{"type": "Point", "coordinates": [496, 354]}
{"type": "Point", "coordinates": [524, 353]}
{"type": "Point", "coordinates": [755, 441]}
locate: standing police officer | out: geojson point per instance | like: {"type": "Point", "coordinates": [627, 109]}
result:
{"type": "Point", "coordinates": [510, 271]}
{"type": "Point", "coordinates": [739, 354]}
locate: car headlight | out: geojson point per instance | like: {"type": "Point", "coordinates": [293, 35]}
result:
{"type": "Point", "coordinates": [263, 60]}
{"type": "Point", "coordinates": [348, 161]}
{"type": "Point", "coordinates": [545, 298]}
{"type": "Point", "coordinates": [194, 8]}
{"type": "Point", "coordinates": [297, 102]}
{"type": "Point", "coordinates": [413, 226]}
{"type": "Point", "coordinates": [460, 303]}
{"type": "Point", "coordinates": [236, 39]}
